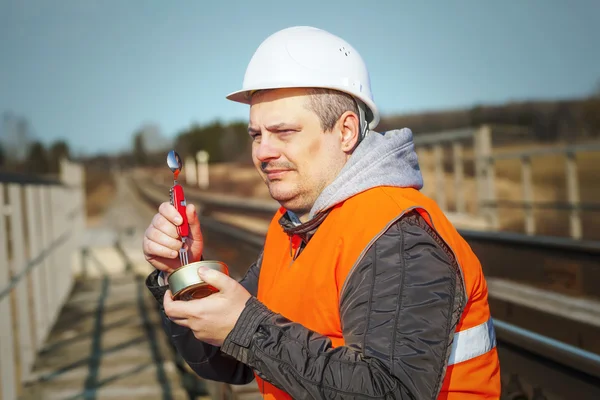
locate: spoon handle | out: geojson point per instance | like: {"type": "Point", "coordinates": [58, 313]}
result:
{"type": "Point", "coordinates": [178, 201]}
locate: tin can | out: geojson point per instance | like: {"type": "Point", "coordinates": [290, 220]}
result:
{"type": "Point", "coordinates": [185, 284]}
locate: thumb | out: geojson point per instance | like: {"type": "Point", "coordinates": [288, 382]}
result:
{"type": "Point", "coordinates": [194, 224]}
{"type": "Point", "coordinates": [215, 278]}
{"type": "Point", "coordinates": [193, 221]}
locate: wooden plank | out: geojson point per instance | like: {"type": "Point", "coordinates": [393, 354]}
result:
{"type": "Point", "coordinates": [486, 174]}
{"type": "Point", "coordinates": [47, 265]}
{"type": "Point", "coordinates": [440, 193]}
{"type": "Point", "coordinates": [527, 183]}
{"type": "Point", "coordinates": [573, 196]}
{"type": "Point", "coordinates": [54, 261]}
{"type": "Point", "coordinates": [32, 194]}
{"type": "Point", "coordinates": [24, 333]}
{"type": "Point", "coordinates": [459, 177]}
{"type": "Point", "coordinates": [7, 355]}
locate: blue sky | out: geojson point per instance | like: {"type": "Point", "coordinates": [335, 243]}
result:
{"type": "Point", "coordinates": [92, 72]}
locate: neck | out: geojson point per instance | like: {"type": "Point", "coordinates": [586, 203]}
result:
{"type": "Point", "coordinates": [299, 215]}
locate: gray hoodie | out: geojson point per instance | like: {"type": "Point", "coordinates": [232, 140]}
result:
{"type": "Point", "coordinates": [381, 159]}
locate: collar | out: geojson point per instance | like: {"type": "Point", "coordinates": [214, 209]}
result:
{"type": "Point", "coordinates": [293, 227]}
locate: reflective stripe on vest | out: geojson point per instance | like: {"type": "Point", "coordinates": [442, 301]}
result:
{"type": "Point", "coordinates": [473, 342]}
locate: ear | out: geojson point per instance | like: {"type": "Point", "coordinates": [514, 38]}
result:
{"type": "Point", "coordinates": [349, 130]}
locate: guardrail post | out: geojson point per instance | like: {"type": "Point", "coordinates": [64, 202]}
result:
{"type": "Point", "coordinates": [459, 177]}
{"type": "Point", "coordinates": [53, 256]}
{"type": "Point", "coordinates": [47, 264]}
{"type": "Point", "coordinates": [440, 192]}
{"type": "Point", "coordinates": [24, 338]}
{"type": "Point", "coordinates": [485, 175]}
{"type": "Point", "coordinates": [202, 159]}
{"type": "Point", "coordinates": [7, 355]}
{"type": "Point", "coordinates": [190, 171]}
{"type": "Point", "coordinates": [60, 258]}
{"type": "Point", "coordinates": [573, 196]}
{"type": "Point", "coordinates": [528, 194]}
{"type": "Point", "coordinates": [34, 242]}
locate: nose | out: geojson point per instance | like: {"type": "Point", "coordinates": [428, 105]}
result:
{"type": "Point", "coordinates": [265, 150]}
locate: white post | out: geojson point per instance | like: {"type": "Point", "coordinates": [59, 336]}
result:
{"type": "Point", "coordinates": [32, 194]}
{"type": "Point", "coordinates": [26, 352]}
{"type": "Point", "coordinates": [60, 209]}
{"type": "Point", "coordinates": [459, 177]}
{"type": "Point", "coordinates": [190, 171]}
{"type": "Point", "coordinates": [486, 175]}
{"type": "Point", "coordinates": [440, 186]}
{"type": "Point", "coordinates": [573, 196]}
{"type": "Point", "coordinates": [47, 264]}
{"type": "Point", "coordinates": [7, 355]}
{"type": "Point", "coordinates": [202, 159]}
{"type": "Point", "coordinates": [528, 195]}
{"type": "Point", "coordinates": [71, 219]}
{"type": "Point", "coordinates": [53, 256]}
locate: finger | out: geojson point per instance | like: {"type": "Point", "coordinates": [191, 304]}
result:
{"type": "Point", "coordinates": [167, 298]}
{"type": "Point", "coordinates": [163, 264]}
{"type": "Point", "coordinates": [181, 322]}
{"type": "Point", "coordinates": [165, 226]}
{"type": "Point", "coordinates": [168, 211]}
{"type": "Point", "coordinates": [154, 249]}
{"type": "Point", "coordinates": [215, 278]}
{"type": "Point", "coordinates": [175, 309]}
{"type": "Point", "coordinates": [194, 223]}
{"type": "Point", "coordinates": [161, 238]}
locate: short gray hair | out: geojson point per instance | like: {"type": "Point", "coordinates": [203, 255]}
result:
{"type": "Point", "coordinates": [329, 105]}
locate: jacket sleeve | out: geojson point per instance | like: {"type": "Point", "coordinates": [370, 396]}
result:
{"type": "Point", "coordinates": [206, 360]}
{"type": "Point", "coordinates": [399, 309]}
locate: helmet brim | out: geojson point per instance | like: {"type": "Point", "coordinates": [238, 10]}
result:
{"type": "Point", "coordinates": [244, 96]}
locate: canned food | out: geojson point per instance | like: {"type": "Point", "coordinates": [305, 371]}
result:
{"type": "Point", "coordinates": [185, 284]}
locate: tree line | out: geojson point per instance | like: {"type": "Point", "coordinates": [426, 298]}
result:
{"type": "Point", "coordinates": [224, 142]}
{"type": "Point", "coordinates": [541, 121]}
{"type": "Point", "coordinates": [40, 159]}
{"type": "Point", "coordinates": [229, 142]}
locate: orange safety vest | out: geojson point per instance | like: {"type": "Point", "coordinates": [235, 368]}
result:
{"type": "Point", "coordinates": [307, 290]}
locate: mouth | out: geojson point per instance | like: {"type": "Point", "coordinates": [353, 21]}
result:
{"type": "Point", "coordinates": [274, 174]}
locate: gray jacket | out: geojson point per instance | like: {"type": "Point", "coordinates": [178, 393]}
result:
{"type": "Point", "coordinates": [399, 308]}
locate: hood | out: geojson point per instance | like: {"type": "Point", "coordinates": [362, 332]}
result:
{"type": "Point", "coordinates": [381, 159]}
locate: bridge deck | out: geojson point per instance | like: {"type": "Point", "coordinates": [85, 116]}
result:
{"type": "Point", "coordinates": [108, 342]}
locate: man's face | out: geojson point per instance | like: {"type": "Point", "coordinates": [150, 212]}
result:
{"type": "Point", "coordinates": [292, 153]}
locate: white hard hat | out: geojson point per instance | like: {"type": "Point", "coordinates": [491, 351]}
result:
{"type": "Point", "coordinates": [303, 56]}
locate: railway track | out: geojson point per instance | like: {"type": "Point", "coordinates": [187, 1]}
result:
{"type": "Point", "coordinates": [534, 364]}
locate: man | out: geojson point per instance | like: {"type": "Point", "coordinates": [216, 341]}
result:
{"type": "Point", "coordinates": [364, 289]}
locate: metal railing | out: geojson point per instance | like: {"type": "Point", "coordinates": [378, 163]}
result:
{"type": "Point", "coordinates": [41, 221]}
{"type": "Point", "coordinates": [485, 159]}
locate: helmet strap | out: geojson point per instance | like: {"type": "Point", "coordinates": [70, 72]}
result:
{"type": "Point", "coordinates": [362, 121]}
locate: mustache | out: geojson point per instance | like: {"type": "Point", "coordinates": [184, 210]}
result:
{"type": "Point", "coordinates": [279, 165]}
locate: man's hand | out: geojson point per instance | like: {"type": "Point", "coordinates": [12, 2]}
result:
{"type": "Point", "coordinates": [213, 317]}
{"type": "Point", "coordinates": [162, 242]}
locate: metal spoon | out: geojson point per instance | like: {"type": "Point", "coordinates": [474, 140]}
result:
{"type": "Point", "coordinates": [174, 161]}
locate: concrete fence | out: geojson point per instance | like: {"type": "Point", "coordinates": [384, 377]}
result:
{"type": "Point", "coordinates": [41, 222]}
